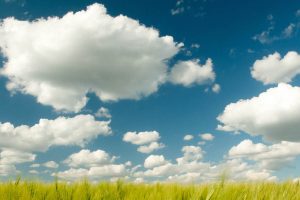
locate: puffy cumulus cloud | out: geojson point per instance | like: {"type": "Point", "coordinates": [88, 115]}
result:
{"type": "Point", "coordinates": [191, 169]}
{"type": "Point", "coordinates": [94, 173]}
{"type": "Point", "coordinates": [61, 131]}
{"type": "Point", "coordinates": [141, 137]}
{"type": "Point", "coordinates": [9, 157]}
{"type": "Point", "coordinates": [95, 165]}
{"type": "Point", "coordinates": [188, 137]}
{"type": "Point", "coordinates": [207, 136]}
{"type": "Point", "coordinates": [87, 158]}
{"type": "Point", "coordinates": [18, 143]}
{"type": "Point", "coordinates": [154, 161]}
{"type": "Point", "coordinates": [51, 164]}
{"type": "Point", "coordinates": [60, 59]}
{"type": "Point", "coordinates": [147, 140]}
{"type": "Point", "coordinates": [241, 171]}
{"type": "Point", "coordinates": [188, 73]}
{"type": "Point", "coordinates": [190, 153]}
{"type": "Point", "coordinates": [270, 157]}
{"type": "Point", "coordinates": [150, 147]}
{"type": "Point", "coordinates": [274, 69]}
{"type": "Point", "coordinates": [247, 148]}
{"type": "Point", "coordinates": [103, 112]}
{"type": "Point", "coordinates": [274, 114]}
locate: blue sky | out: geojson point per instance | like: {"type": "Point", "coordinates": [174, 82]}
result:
{"type": "Point", "coordinates": [119, 84]}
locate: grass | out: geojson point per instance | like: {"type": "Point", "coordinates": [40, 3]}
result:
{"type": "Point", "coordinates": [34, 190]}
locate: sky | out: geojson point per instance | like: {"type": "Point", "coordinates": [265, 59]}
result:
{"type": "Point", "coordinates": [150, 91]}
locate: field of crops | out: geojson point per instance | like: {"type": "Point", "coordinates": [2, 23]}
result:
{"type": "Point", "coordinates": [23, 190]}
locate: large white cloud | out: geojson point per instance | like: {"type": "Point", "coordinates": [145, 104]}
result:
{"type": "Point", "coordinates": [271, 157]}
{"type": "Point", "coordinates": [86, 158]}
{"type": "Point", "coordinates": [274, 69]}
{"type": "Point", "coordinates": [274, 114]}
{"type": "Point", "coordinates": [188, 73]}
{"type": "Point", "coordinates": [61, 131]}
{"type": "Point", "coordinates": [59, 60]}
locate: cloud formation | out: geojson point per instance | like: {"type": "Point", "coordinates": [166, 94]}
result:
{"type": "Point", "coordinates": [274, 114]}
{"type": "Point", "coordinates": [274, 69]}
{"type": "Point", "coordinates": [188, 73]}
{"type": "Point", "coordinates": [147, 140]}
{"type": "Point", "coordinates": [61, 131]}
{"type": "Point", "coordinates": [95, 165]}
{"type": "Point", "coordinates": [59, 60]}
{"type": "Point", "coordinates": [86, 158]}
{"type": "Point", "coordinates": [154, 161]}
{"type": "Point", "coordinates": [272, 157]}
{"type": "Point", "coordinates": [207, 136]}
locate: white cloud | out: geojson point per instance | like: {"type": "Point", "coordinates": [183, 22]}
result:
{"type": "Point", "coordinates": [61, 131]}
{"type": "Point", "coordinates": [35, 165]}
{"type": "Point", "coordinates": [179, 8]}
{"type": "Point", "coordinates": [161, 171]}
{"type": "Point", "coordinates": [6, 170]}
{"type": "Point", "coordinates": [216, 88]}
{"type": "Point", "coordinates": [177, 11]}
{"type": "Point", "coordinates": [188, 137]}
{"type": "Point", "coordinates": [103, 112]}
{"type": "Point", "coordinates": [190, 169]}
{"type": "Point", "coordinates": [188, 73]}
{"type": "Point", "coordinates": [190, 154]}
{"type": "Point", "coordinates": [86, 158]}
{"type": "Point", "coordinates": [274, 69]}
{"type": "Point", "coordinates": [267, 36]}
{"type": "Point", "coordinates": [270, 157]}
{"type": "Point", "coordinates": [51, 164]}
{"type": "Point", "coordinates": [207, 136]}
{"type": "Point", "coordinates": [94, 173]}
{"type": "Point", "coordinates": [141, 137]}
{"type": "Point", "coordinates": [147, 140]}
{"type": "Point", "coordinates": [154, 161]}
{"type": "Point", "coordinates": [195, 45]}
{"type": "Point", "coordinates": [274, 114]}
{"type": "Point", "coordinates": [150, 147]}
{"type": "Point", "coordinates": [34, 172]}
{"type": "Point", "coordinates": [59, 60]}
{"type": "Point", "coordinates": [9, 157]}
{"type": "Point", "coordinates": [289, 30]}
{"type": "Point", "coordinates": [247, 148]}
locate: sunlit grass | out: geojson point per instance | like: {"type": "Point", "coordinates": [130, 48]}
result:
{"type": "Point", "coordinates": [27, 190]}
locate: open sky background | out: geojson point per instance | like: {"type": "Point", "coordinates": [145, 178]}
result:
{"type": "Point", "coordinates": [150, 90]}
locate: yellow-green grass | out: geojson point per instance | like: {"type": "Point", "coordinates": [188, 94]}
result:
{"type": "Point", "coordinates": [27, 190]}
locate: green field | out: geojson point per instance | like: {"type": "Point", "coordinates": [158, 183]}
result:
{"type": "Point", "coordinates": [25, 190]}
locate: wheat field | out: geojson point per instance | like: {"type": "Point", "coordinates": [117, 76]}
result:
{"type": "Point", "coordinates": [84, 190]}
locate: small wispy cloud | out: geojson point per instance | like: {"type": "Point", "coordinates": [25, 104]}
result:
{"type": "Point", "coordinates": [268, 36]}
